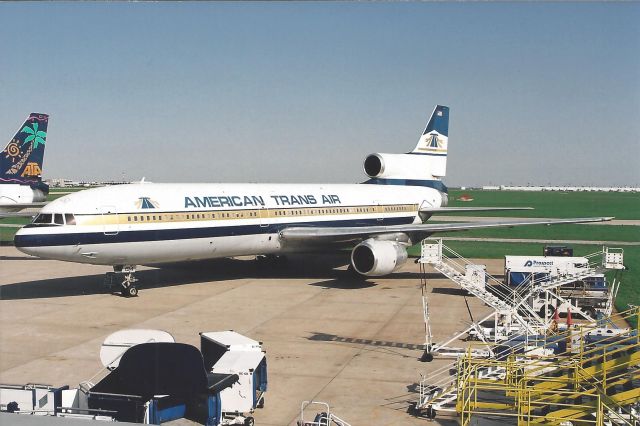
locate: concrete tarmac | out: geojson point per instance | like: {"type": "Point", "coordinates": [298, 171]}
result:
{"type": "Point", "coordinates": [354, 344]}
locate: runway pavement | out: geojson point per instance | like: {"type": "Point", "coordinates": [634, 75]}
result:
{"type": "Point", "coordinates": [328, 337]}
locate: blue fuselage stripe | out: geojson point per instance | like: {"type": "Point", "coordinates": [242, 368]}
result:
{"type": "Point", "coordinates": [147, 235]}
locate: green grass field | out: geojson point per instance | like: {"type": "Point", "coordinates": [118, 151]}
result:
{"type": "Point", "coordinates": [558, 232]}
{"type": "Point", "coordinates": [552, 204]}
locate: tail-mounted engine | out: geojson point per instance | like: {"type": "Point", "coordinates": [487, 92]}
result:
{"type": "Point", "coordinates": [403, 166]}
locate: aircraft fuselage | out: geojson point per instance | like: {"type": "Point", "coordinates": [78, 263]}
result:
{"type": "Point", "coordinates": [150, 223]}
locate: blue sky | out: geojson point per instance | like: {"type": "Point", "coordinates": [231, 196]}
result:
{"type": "Point", "coordinates": [539, 92]}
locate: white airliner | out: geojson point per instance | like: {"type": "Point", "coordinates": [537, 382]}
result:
{"type": "Point", "coordinates": [21, 161]}
{"type": "Point", "coordinates": [154, 223]}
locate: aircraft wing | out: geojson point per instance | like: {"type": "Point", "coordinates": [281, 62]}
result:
{"type": "Point", "coordinates": [25, 213]}
{"type": "Point", "coordinates": [417, 232]}
{"type": "Point", "coordinates": [468, 209]}
{"type": "Point", "coordinates": [14, 210]}
{"type": "Point", "coordinates": [18, 206]}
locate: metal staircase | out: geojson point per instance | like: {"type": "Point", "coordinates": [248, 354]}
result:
{"type": "Point", "coordinates": [510, 302]}
{"type": "Point", "coordinates": [490, 299]}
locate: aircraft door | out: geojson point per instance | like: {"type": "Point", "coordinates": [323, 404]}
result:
{"type": "Point", "coordinates": [264, 217]}
{"type": "Point", "coordinates": [110, 220]}
{"type": "Point", "coordinates": [379, 211]}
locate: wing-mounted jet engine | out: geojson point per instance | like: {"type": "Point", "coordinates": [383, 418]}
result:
{"type": "Point", "coordinates": [375, 258]}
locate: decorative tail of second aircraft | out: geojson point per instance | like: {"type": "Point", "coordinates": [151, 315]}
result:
{"type": "Point", "coordinates": [21, 160]}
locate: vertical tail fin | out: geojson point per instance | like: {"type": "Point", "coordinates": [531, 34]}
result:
{"type": "Point", "coordinates": [21, 160]}
{"type": "Point", "coordinates": [434, 140]}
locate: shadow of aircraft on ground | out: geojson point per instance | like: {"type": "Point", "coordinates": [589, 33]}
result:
{"type": "Point", "coordinates": [320, 267]}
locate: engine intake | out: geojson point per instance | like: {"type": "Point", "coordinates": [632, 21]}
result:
{"type": "Point", "coordinates": [374, 258]}
{"type": "Point", "coordinates": [374, 165]}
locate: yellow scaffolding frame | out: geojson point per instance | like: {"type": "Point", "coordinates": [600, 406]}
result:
{"type": "Point", "coordinates": [577, 385]}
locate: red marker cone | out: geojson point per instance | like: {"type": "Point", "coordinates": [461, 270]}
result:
{"type": "Point", "coordinates": [569, 321]}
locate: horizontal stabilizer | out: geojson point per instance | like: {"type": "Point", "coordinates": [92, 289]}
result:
{"type": "Point", "coordinates": [468, 209]}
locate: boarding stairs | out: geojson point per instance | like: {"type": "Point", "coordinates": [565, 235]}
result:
{"type": "Point", "coordinates": [511, 304]}
{"type": "Point", "coordinates": [514, 302]}
{"type": "Point", "coordinates": [490, 299]}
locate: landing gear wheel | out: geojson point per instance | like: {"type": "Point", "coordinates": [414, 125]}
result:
{"type": "Point", "coordinates": [248, 421]}
{"type": "Point", "coordinates": [128, 285]}
{"type": "Point", "coordinates": [132, 291]}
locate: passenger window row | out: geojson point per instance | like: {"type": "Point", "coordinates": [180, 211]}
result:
{"type": "Point", "coordinates": [250, 214]}
{"type": "Point", "coordinates": [191, 216]}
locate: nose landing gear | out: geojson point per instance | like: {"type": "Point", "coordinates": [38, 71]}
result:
{"type": "Point", "coordinates": [123, 277]}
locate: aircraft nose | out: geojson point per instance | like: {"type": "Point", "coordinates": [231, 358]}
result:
{"type": "Point", "coordinates": [26, 242]}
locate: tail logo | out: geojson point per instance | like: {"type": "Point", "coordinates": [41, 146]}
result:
{"type": "Point", "coordinates": [31, 170]}
{"type": "Point", "coordinates": [435, 141]}
{"type": "Point", "coordinates": [146, 203]}
{"type": "Point", "coordinates": [36, 137]}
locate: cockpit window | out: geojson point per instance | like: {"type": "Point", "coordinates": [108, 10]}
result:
{"type": "Point", "coordinates": [56, 219]}
{"type": "Point", "coordinates": [43, 219]}
{"type": "Point", "coordinates": [70, 219]}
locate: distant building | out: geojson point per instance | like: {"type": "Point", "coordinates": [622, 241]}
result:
{"type": "Point", "coordinates": [563, 188]}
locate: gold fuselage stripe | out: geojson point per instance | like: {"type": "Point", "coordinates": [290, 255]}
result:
{"type": "Point", "coordinates": [216, 215]}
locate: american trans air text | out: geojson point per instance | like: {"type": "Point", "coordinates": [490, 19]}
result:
{"type": "Point", "coordinates": [258, 200]}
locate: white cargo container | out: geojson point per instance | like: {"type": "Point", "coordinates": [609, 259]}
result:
{"type": "Point", "coordinates": [555, 265]}
{"type": "Point", "coordinates": [227, 352]}
{"type": "Point", "coordinates": [522, 269]}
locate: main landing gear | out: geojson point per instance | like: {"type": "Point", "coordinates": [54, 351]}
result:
{"type": "Point", "coordinates": [123, 277]}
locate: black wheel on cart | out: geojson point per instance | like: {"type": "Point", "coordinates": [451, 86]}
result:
{"type": "Point", "coordinates": [248, 421]}
{"type": "Point", "coordinates": [549, 310]}
{"type": "Point", "coordinates": [426, 356]}
{"type": "Point", "coordinates": [431, 413]}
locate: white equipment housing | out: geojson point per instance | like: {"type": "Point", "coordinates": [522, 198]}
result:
{"type": "Point", "coordinates": [116, 344]}
{"type": "Point", "coordinates": [523, 269]}
{"type": "Point", "coordinates": [613, 258]}
{"type": "Point", "coordinates": [228, 352]}
{"type": "Point", "coordinates": [29, 399]}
